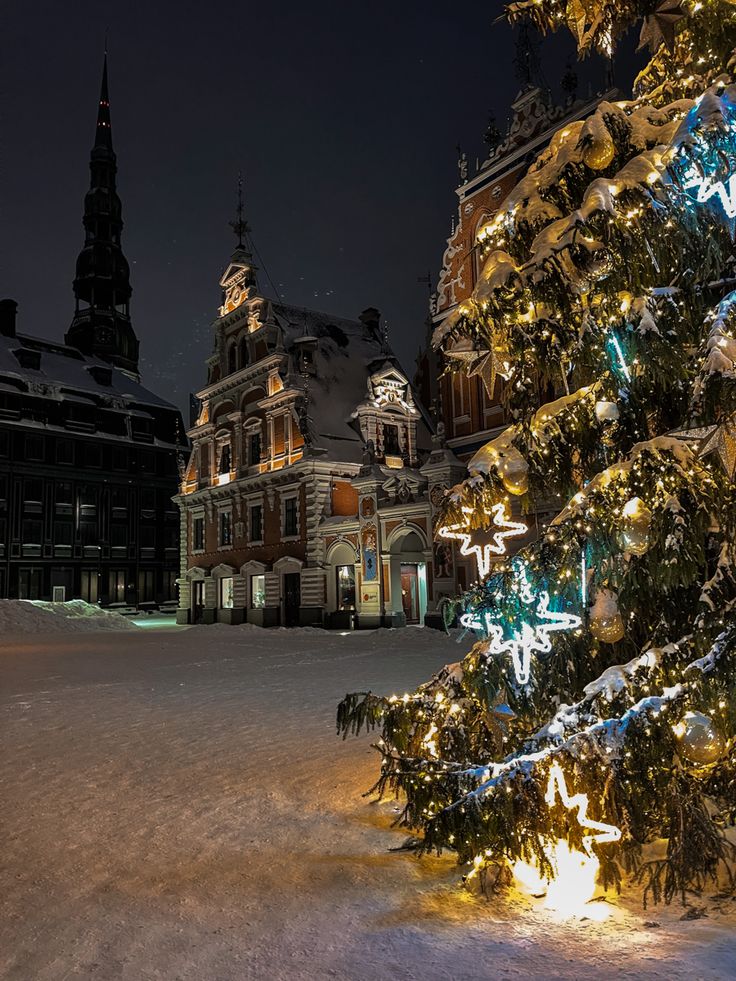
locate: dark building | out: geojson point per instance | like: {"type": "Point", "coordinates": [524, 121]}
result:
{"type": "Point", "coordinates": [88, 456]}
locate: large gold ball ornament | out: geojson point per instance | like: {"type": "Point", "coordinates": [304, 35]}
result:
{"type": "Point", "coordinates": [609, 630]}
{"type": "Point", "coordinates": [606, 623]}
{"type": "Point", "coordinates": [637, 519]}
{"type": "Point", "coordinates": [514, 472]}
{"type": "Point", "coordinates": [699, 740]}
{"type": "Point", "coordinates": [599, 153]}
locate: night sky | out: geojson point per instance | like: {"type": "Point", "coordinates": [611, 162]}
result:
{"type": "Point", "coordinates": [343, 117]}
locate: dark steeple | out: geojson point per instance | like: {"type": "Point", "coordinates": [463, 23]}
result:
{"type": "Point", "coordinates": [101, 325]}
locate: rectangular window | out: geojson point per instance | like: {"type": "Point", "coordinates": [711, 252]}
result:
{"type": "Point", "coordinates": [256, 523]}
{"type": "Point", "coordinates": [391, 440]}
{"type": "Point", "coordinates": [63, 532]}
{"type": "Point", "coordinates": [226, 593]}
{"type": "Point", "coordinates": [255, 448]}
{"type": "Point", "coordinates": [198, 534]}
{"type": "Point", "coordinates": [291, 527]}
{"type": "Point", "coordinates": [34, 447]}
{"type": "Point", "coordinates": [226, 528]}
{"type": "Point", "coordinates": [225, 465]}
{"type": "Point", "coordinates": [345, 587]}
{"type": "Point", "coordinates": [65, 451]}
{"type": "Point", "coordinates": [33, 492]}
{"type": "Point", "coordinates": [64, 496]}
{"type": "Point", "coordinates": [148, 536]}
{"type": "Point", "coordinates": [257, 592]}
{"type": "Point", "coordinates": [120, 458]}
{"type": "Point", "coordinates": [88, 533]}
{"type": "Point", "coordinates": [93, 455]}
{"type": "Point", "coordinates": [32, 531]}
{"type": "Point", "coordinates": [30, 583]}
{"type": "Point", "coordinates": [119, 535]}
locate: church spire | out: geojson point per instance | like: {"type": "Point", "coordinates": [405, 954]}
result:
{"type": "Point", "coordinates": [103, 131]}
{"type": "Point", "coordinates": [101, 324]}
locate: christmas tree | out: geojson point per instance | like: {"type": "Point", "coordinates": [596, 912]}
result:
{"type": "Point", "coordinates": [590, 730]}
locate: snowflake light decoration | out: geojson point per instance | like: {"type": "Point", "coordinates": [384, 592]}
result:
{"type": "Point", "coordinates": [527, 640]}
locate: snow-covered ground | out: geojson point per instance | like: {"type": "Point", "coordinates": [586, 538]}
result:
{"type": "Point", "coordinates": [176, 806]}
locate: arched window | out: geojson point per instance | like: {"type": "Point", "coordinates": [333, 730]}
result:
{"type": "Point", "coordinates": [231, 359]}
{"type": "Point", "coordinates": [243, 359]}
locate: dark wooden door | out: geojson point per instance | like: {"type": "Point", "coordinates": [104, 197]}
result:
{"type": "Point", "coordinates": [197, 601]}
{"type": "Point", "coordinates": [292, 599]}
{"type": "Point", "coordinates": [410, 593]}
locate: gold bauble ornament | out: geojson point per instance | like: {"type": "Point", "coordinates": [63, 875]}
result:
{"type": "Point", "coordinates": [514, 472]}
{"type": "Point", "coordinates": [608, 630]}
{"type": "Point", "coordinates": [698, 739]}
{"type": "Point", "coordinates": [599, 153]}
{"type": "Point", "coordinates": [606, 623]}
{"type": "Point", "coordinates": [637, 519]}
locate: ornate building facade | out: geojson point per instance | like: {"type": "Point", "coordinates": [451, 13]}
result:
{"type": "Point", "coordinates": [88, 456]}
{"type": "Point", "coordinates": [308, 496]}
{"type": "Point", "coordinates": [471, 414]}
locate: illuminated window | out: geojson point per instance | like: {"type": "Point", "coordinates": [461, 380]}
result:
{"type": "Point", "coordinates": [345, 587]}
{"type": "Point", "coordinates": [227, 593]}
{"type": "Point", "coordinates": [257, 592]}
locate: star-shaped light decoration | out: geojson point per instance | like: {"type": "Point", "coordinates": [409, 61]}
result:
{"type": "Point", "coordinates": [659, 26]}
{"type": "Point", "coordinates": [720, 439]}
{"type": "Point", "coordinates": [528, 639]}
{"type": "Point", "coordinates": [557, 785]}
{"type": "Point", "coordinates": [485, 551]}
{"type": "Point", "coordinates": [485, 367]}
{"type": "Point", "coordinates": [480, 363]}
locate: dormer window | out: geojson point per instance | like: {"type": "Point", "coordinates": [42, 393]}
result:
{"type": "Point", "coordinates": [28, 359]}
{"type": "Point", "coordinates": [391, 440]}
